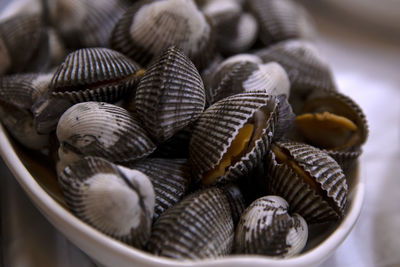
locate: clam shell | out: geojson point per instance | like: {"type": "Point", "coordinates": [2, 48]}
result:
{"type": "Point", "coordinates": [236, 201]}
{"type": "Point", "coordinates": [116, 200]}
{"type": "Point", "coordinates": [320, 197]}
{"type": "Point", "coordinates": [198, 227]}
{"type": "Point", "coordinates": [95, 74]}
{"type": "Point", "coordinates": [103, 130]}
{"type": "Point", "coordinates": [266, 228]}
{"type": "Point", "coordinates": [306, 69]}
{"type": "Point", "coordinates": [86, 23]}
{"type": "Point", "coordinates": [218, 126]}
{"type": "Point", "coordinates": [170, 179]}
{"type": "Point", "coordinates": [249, 76]}
{"type": "Point", "coordinates": [170, 95]}
{"type": "Point", "coordinates": [149, 27]}
{"type": "Point", "coordinates": [23, 44]}
{"type": "Point", "coordinates": [281, 20]}
{"type": "Point", "coordinates": [88, 74]}
{"type": "Point", "coordinates": [18, 92]}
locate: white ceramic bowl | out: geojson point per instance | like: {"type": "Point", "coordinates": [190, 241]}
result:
{"type": "Point", "coordinates": [30, 172]}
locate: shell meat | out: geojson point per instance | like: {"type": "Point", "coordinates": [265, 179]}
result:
{"type": "Point", "coordinates": [170, 179]}
{"type": "Point", "coordinates": [88, 74]}
{"type": "Point", "coordinates": [267, 228]}
{"type": "Point", "coordinates": [149, 27]}
{"type": "Point", "coordinates": [170, 95]}
{"type": "Point", "coordinates": [339, 120]}
{"type": "Point", "coordinates": [281, 20]}
{"type": "Point", "coordinates": [231, 136]}
{"type": "Point", "coordinates": [198, 227]}
{"type": "Point", "coordinates": [309, 179]}
{"type": "Point", "coordinates": [102, 130]}
{"type": "Point", "coordinates": [116, 200]}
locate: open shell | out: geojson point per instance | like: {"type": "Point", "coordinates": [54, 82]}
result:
{"type": "Point", "coordinates": [217, 128]}
{"type": "Point", "coordinates": [340, 120]}
{"type": "Point", "coordinates": [266, 228]}
{"type": "Point", "coordinates": [170, 95]}
{"type": "Point", "coordinates": [170, 179]}
{"type": "Point", "coordinates": [281, 20]}
{"type": "Point", "coordinates": [198, 227]}
{"type": "Point", "coordinates": [309, 179]}
{"type": "Point", "coordinates": [149, 27]}
{"type": "Point", "coordinates": [103, 130]}
{"type": "Point", "coordinates": [116, 200]}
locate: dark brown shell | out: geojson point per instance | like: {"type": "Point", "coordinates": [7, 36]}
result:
{"type": "Point", "coordinates": [170, 179]}
{"type": "Point", "coordinates": [327, 200]}
{"type": "Point", "coordinates": [170, 95]}
{"type": "Point", "coordinates": [166, 23]}
{"type": "Point", "coordinates": [217, 127]}
{"type": "Point", "coordinates": [281, 20]}
{"type": "Point", "coordinates": [198, 227]}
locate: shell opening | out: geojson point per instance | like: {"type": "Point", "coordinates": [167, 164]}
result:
{"type": "Point", "coordinates": [283, 157]}
{"type": "Point", "coordinates": [242, 143]}
{"type": "Point", "coordinates": [327, 130]}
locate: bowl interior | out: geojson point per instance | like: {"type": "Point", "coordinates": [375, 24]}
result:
{"type": "Point", "coordinates": [34, 172]}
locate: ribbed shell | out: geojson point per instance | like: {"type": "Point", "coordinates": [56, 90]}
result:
{"type": "Point", "coordinates": [249, 76]}
{"type": "Point", "coordinates": [281, 20]}
{"type": "Point", "coordinates": [103, 130]}
{"type": "Point", "coordinates": [198, 227]}
{"type": "Point", "coordinates": [170, 95]}
{"type": "Point", "coordinates": [149, 27]}
{"type": "Point", "coordinates": [236, 201]}
{"type": "Point", "coordinates": [307, 71]}
{"type": "Point", "coordinates": [115, 200]}
{"type": "Point", "coordinates": [266, 228]}
{"type": "Point", "coordinates": [217, 127]}
{"type": "Point", "coordinates": [86, 23]}
{"type": "Point", "coordinates": [18, 92]}
{"type": "Point", "coordinates": [22, 90]}
{"type": "Point", "coordinates": [346, 159]}
{"type": "Point", "coordinates": [340, 104]}
{"type": "Point", "coordinates": [95, 74]}
{"type": "Point", "coordinates": [330, 203]}
{"type": "Point", "coordinates": [170, 179]}
{"type": "Point", "coordinates": [23, 44]}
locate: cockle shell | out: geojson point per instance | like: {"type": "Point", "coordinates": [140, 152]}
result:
{"type": "Point", "coordinates": [305, 67]}
{"type": "Point", "coordinates": [170, 95]}
{"type": "Point", "coordinates": [281, 20]}
{"type": "Point", "coordinates": [266, 228]}
{"type": "Point", "coordinates": [18, 92]}
{"type": "Point", "coordinates": [85, 23]}
{"type": "Point", "coordinates": [26, 45]}
{"type": "Point", "coordinates": [116, 200]}
{"type": "Point", "coordinates": [103, 130]}
{"type": "Point", "coordinates": [198, 227]}
{"type": "Point", "coordinates": [340, 120]}
{"type": "Point", "coordinates": [216, 141]}
{"type": "Point", "coordinates": [249, 76]}
{"type": "Point", "coordinates": [236, 201]}
{"type": "Point", "coordinates": [88, 74]}
{"type": "Point", "coordinates": [149, 27]}
{"type": "Point", "coordinates": [170, 179]}
{"type": "Point", "coordinates": [309, 179]}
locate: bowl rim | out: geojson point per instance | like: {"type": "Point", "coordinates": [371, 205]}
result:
{"type": "Point", "coordinates": [104, 249]}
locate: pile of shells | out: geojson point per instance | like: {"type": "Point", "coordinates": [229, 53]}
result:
{"type": "Point", "coordinates": [188, 129]}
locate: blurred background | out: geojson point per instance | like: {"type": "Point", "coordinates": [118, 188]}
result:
{"type": "Point", "coordinates": [360, 39]}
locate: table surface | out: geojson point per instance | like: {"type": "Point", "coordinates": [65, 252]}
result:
{"type": "Point", "coordinates": [366, 67]}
